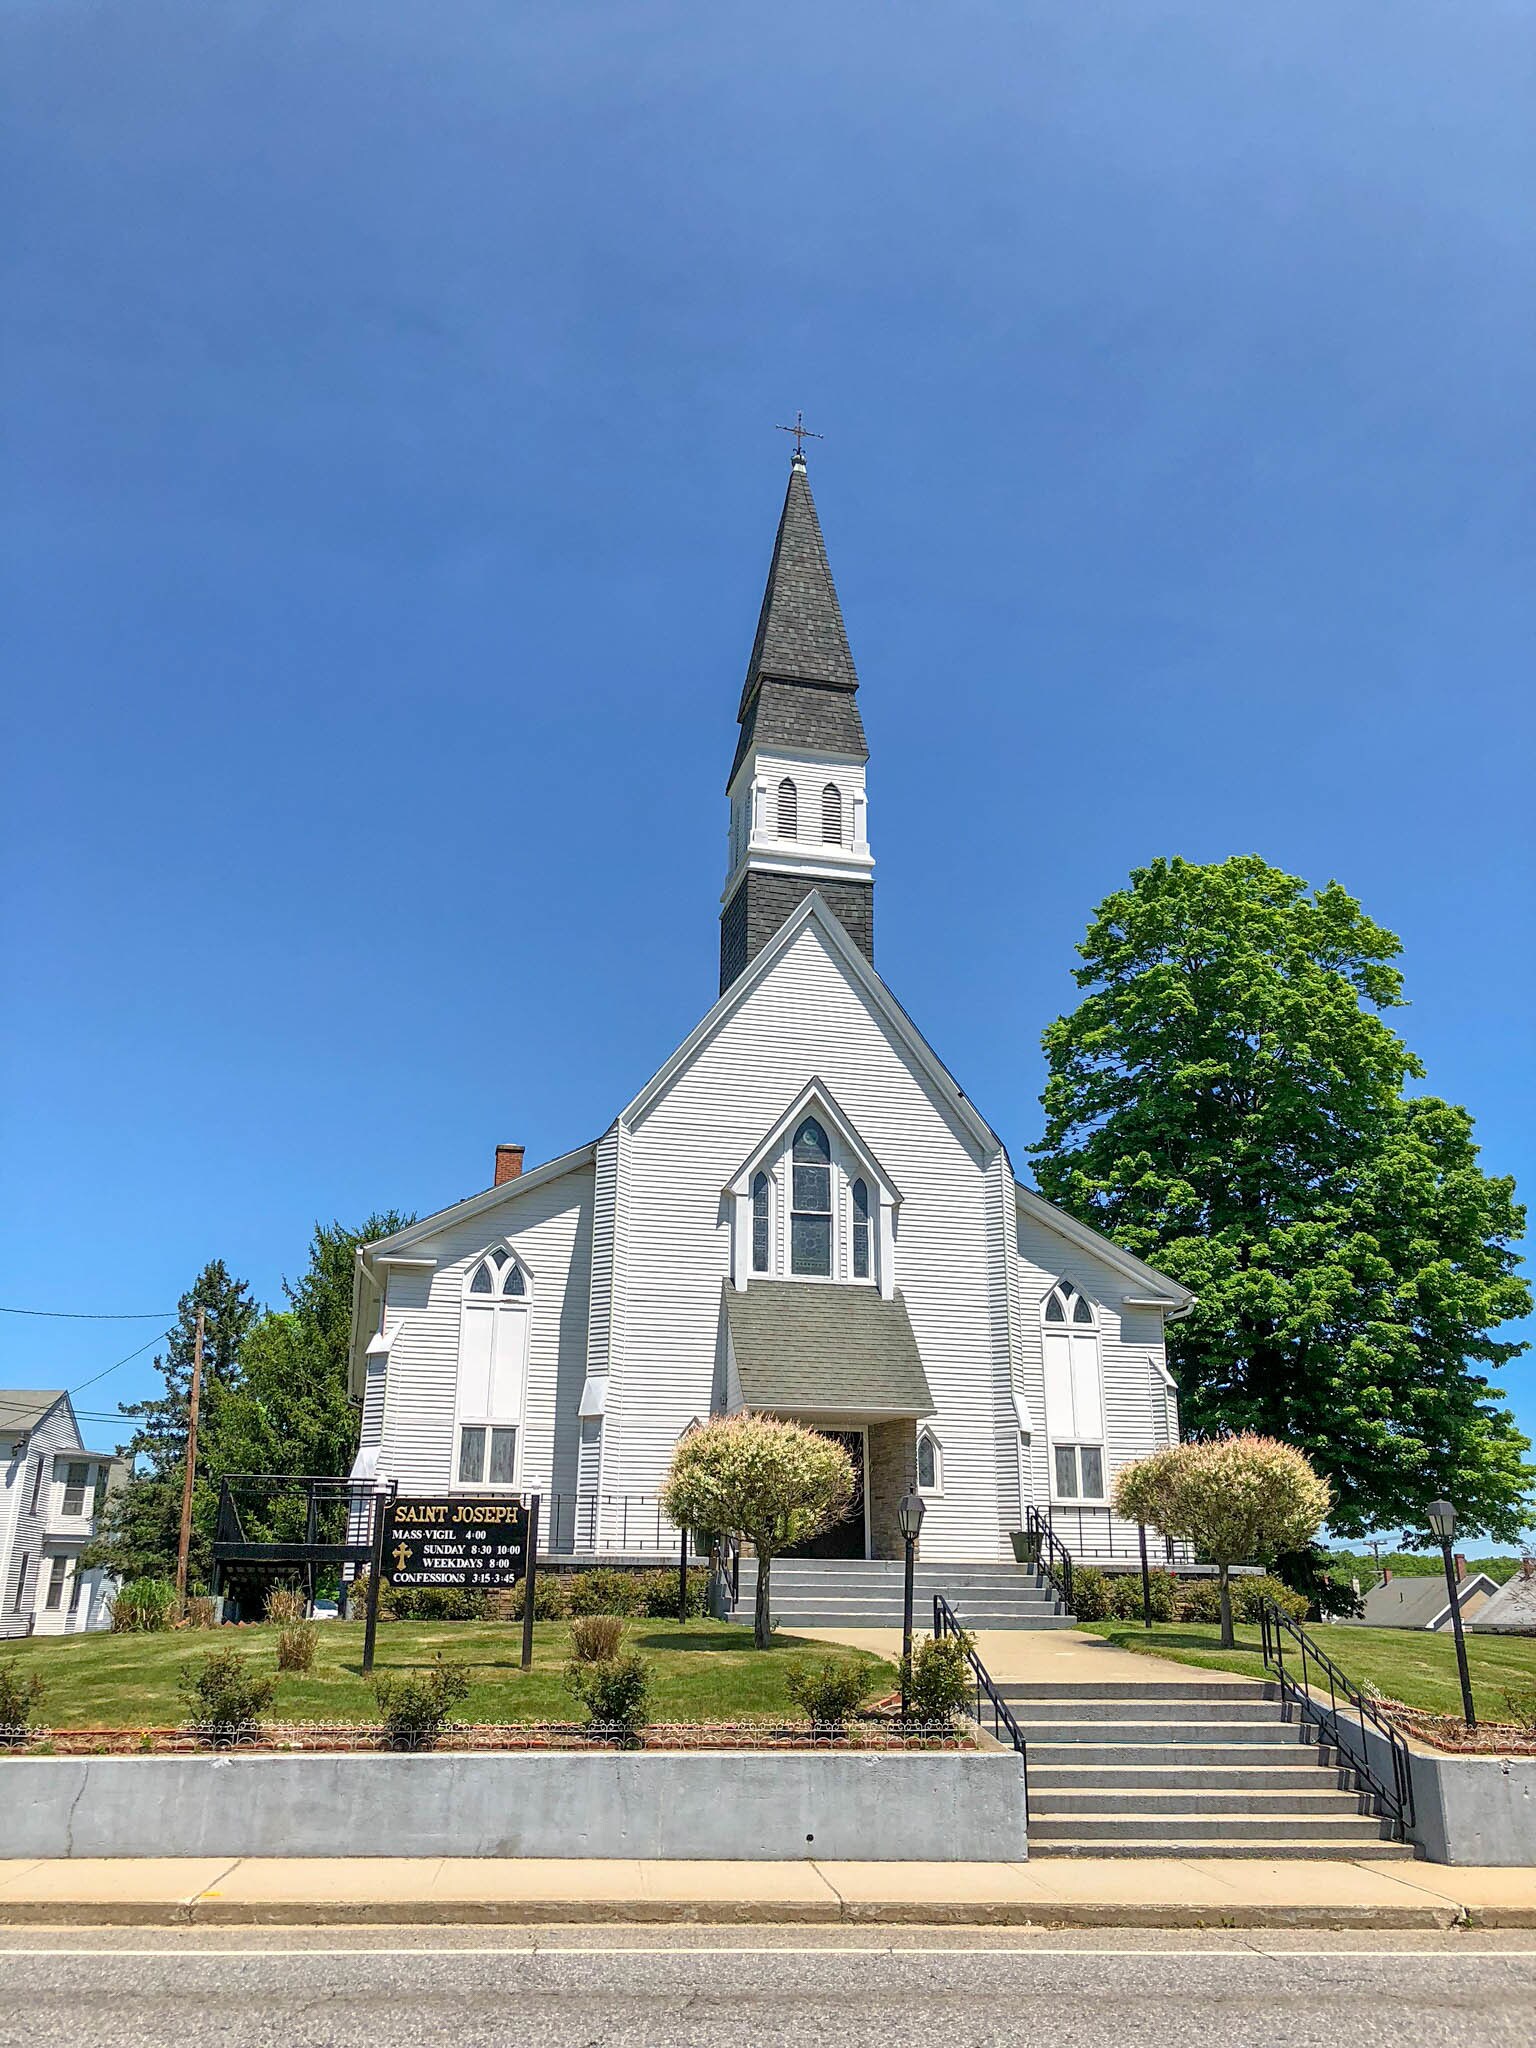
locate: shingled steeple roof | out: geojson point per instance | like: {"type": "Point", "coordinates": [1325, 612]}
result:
{"type": "Point", "coordinates": [800, 683]}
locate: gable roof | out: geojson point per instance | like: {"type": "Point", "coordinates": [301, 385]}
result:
{"type": "Point", "coordinates": [23, 1408]}
{"type": "Point", "coordinates": [382, 1248]}
{"type": "Point", "coordinates": [1418, 1602]}
{"type": "Point", "coordinates": [805, 1345]}
{"type": "Point", "coordinates": [818, 1093]}
{"type": "Point", "coordinates": [1158, 1290]}
{"type": "Point", "coordinates": [1512, 1610]}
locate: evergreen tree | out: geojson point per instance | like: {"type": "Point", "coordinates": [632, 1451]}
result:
{"type": "Point", "coordinates": [1227, 1102]}
{"type": "Point", "coordinates": [143, 1519]}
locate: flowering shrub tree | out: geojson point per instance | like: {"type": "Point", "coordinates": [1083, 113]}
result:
{"type": "Point", "coordinates": [774, 1483]}
{"type": "Point", "coordinates": [1237, 1498]}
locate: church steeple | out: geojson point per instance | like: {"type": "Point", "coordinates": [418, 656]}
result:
{"type": "Point", "coordinates": [796, 785]}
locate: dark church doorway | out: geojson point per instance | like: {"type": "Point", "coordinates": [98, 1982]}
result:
{"type": "Point", "coordinates": [845, 1538]}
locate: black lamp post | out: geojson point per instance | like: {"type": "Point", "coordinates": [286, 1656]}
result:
{"type": "Point", "coordinates": [909, 1516]}
{"type": "Point", "coordinates": [1442, 1520]}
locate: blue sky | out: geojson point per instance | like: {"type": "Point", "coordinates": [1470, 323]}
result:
{"type": "Point", "coordinates": [391, 482]}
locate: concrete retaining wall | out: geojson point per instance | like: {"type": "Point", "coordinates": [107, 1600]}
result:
{"type": "Point", "coordinates": [909, 1806]}
{"type": "Point", "coordinates": [1467, 1809]}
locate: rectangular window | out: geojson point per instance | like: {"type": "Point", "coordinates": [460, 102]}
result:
{"type": "Point", "coordinates": [21, 1584]}
{"type": "Point", "coordinates": [75, 1481]}
{"type": "Point", "coordinates": [57, 1574]}
{"type": "Point", "coordinates": [76, 1588]}
{"type": "Point", "coordinates": [810, 1244]}
{"type": "Point", "coordinates": [503, 1456]}
{"type": "Point", "coordinates": [99, 1492]}
{"type": "Point", "coordinates": [37, 1485]}
{"type": "Point", "coordinates": [471, 1457]}
{"type": "Point", "coordinates": [1079, 1471]}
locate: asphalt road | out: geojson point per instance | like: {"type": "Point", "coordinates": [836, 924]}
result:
{"type": "Point", "coordinates": [813, 1989]}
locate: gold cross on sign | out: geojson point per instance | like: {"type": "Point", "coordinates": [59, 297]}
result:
{"type": "Point", "coordinates": [802, 434]}
{"type": "Point", "coordinates": [402, 1556]}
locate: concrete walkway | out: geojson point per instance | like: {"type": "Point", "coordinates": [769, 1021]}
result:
{"type": "Point", "coordinates": [479, 1891]}
{"type": "Point", "coordinates": [1045, 1656]}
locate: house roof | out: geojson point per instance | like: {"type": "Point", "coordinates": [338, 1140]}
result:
{"type": "Point", "coordinates": [1512, 1610]}
{"type": "Point", "coordinates": [1417, 1602]}
{"type": "Point", "coordinates": [23, 1408]}
{"type": "Point", "coordinates": [817, 1349]}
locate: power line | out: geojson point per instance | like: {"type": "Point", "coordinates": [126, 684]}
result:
{"type": "Point", "coordinates": [83, 1315]}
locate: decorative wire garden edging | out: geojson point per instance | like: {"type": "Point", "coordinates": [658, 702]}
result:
{"type": "Point", "coordinates": [287, 1738]}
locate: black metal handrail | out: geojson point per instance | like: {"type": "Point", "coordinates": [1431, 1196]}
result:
{"type": "Point", "coordinates": [947, 1623]}
{"type": "Point", "coordinates": [1394, 1799]}
{"type": "Point", "coordinates": [1052, 1556]}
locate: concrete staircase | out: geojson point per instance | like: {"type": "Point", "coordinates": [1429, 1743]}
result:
{"type": "Point", "coordinates": [829, 1592]}
{"type": "Point", "coordinates": [1206, 1767]}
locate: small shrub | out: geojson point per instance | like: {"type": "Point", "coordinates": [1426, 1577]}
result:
{"type": "Point", "coordinates": [1090, 1593]}
{"type": "Point", "coordinates": [143, 1606]}
{"type": "Point", "coordinates": [596, 1638]}
{"type": "Point", "coordinates": [296, 1646]}
{"type": "Point", "coordinates": [414, 1710]}
{"type": "Point", "coordinates": [940, 1685]}
{"type": "Point", "coordinates": [608, 1592]}
{"type": "Point", "coordinates": [1202, 1601]}
{"type": "Point", "coordinates": [829, 1692]}
{"type": "Point", "coordinates": [659, 1599]}
{"type": "Point", "coordinates": [1249, 1597]}
{"type": "Point", "coordinates": [1165, 1596]}
{"type": "Point", "coordinates": [1125, 1596]}
{"type": "Point", "coordinates": [616, 1696]}
{"type": "Point", "coordinates": [20, 1699]}
{"type": "Point", "coordinates": [199, 1610]}
{"type": "Point", "coordinates": [286, 1605]}
{"type": "Point", "coordinates": [551, 1599]}
{"type": "Point", "coordinates": [226, 1697]}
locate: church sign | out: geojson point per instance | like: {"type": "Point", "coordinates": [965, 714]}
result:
{"type": "Point", "coordinates": [478, 1544]}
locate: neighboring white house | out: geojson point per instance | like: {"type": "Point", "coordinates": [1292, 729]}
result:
{"type": "Point", "coordinates": [1423, 1602]}
{"type": "Point", "coordinates": [801, 1213]}
{"type": "Point", "coordinates": [1512, 1610]}
{"type": "Point", "coordinates": [51, 1490]}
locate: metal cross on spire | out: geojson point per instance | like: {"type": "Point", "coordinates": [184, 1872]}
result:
{"type": "Point", "coordinates": [802, 434]}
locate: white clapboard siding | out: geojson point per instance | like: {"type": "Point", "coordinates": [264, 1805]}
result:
{"type": "Point", "coordinates": [809, 1017]}
{"type": "Point", "coordinates": [28, 1528]}
{"type": "Point", "coordinates": [550, 1228]}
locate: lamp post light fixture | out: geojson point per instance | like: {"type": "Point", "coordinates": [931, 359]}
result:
{"type": "Point", "coordinates": [909, 1518]}
{"type": "Point", "coordinates": [1442, 1522]}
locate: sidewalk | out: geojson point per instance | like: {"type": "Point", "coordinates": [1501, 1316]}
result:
{"type": "Point", "coordinates": [1020, 1656]}
{"type": "Point", "coordinates": [475, 1891]}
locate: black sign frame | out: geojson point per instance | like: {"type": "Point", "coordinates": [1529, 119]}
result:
{"type": "Point", "coordinates": [481, 1542]}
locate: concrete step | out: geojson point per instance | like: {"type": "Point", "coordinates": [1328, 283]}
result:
{"type": "Point", "coordinates": [879, 1618]}
{"type": "Point", "coordinates": [1279, 1827]}
{"type": "Point", "coordinates": [1298, 1848]}
{"type": "Point", "coordinates": [1108, 1756]}
{"type": "Point", "coordinates": [1135, 1690]}
{"type": "Point", "coordinates": [1149, 1780]}
{"type": "Point", "coordinates": [1191, 1803]}
{"type": "Point", "coordinates": [1043, 1714]}
{"type": "Point", "coordinates": [1202, 1734]}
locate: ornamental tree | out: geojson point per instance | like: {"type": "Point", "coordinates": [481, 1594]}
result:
{"type": "Point", "coordinates": [1227, 1101]}
{"type": "Point", "coordinates": [1239, 1499]}
{"type": "Point", "coordinates": [774, 1483]}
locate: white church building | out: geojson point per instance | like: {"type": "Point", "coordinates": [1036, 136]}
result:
{"type": "Point", "coordinates": [802, 1214]}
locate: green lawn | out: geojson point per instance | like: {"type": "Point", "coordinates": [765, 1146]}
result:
{"type": "Point", "coordinates": [701, 1671]}
{"type": "Point", "coordinates": [1411, 1665]}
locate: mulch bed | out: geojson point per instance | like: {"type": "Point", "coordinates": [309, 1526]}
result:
{"type": "Point", "coordinates": [285, 1739]}
{"type": "Point", "coordinates": [1450, 1732]}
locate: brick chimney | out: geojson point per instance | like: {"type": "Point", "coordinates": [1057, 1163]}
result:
{"type": "Point", "coordinates": [1386, 1574]}
{"type": "Point", "coordinates": [509, 1163]}
{"type": "Point", "coordinates": [1461, 1565]}
{"type": "Point", "coordinates": [1528, 1567]}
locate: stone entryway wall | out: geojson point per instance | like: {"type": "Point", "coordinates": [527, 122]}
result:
{"type": "Point", "coordinates": [892, 1471]}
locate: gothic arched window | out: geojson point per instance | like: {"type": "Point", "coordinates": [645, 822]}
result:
{"type": "Point", "coordinates": [831, 815]}
{"type": "Point", "coordinates": [930, 1463]}
{"type": "Point", "coordinates": [810, 1220]}
{"type": "Point", "coordinates": [760, 1223]}
{"type": "Point", "coordinates": [789, 810]}
{"type": "Point", "coordinates": [860, 1194]}
{"type": "Point", "coordinates": [1074, 1394]}
{"type": "Point", "coordinates": [493, 1360]}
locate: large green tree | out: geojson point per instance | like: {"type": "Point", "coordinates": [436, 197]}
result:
{"type": "Point", "coordinates": [1227, 1100]}
{"type": "Point", "coordinates": [143, 1519]}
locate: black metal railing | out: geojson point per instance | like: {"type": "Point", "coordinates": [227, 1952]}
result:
{"type": "Point", "coordinates": [1004, 1727]}
{"type": "Point", "coordinates": [1099, 1536]}
{"type": "Point", "coordinates": [623, 1523]}
{"type": "Point", "coordinates": [265, 1509]}
{"type": "Point", "coordinates": [1343, 1720]}
{"type": "Point", "coordinates": [1052, 1556]}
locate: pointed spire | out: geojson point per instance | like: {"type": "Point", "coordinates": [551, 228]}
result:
{"type": "Point", "coordinates": [800, 633]}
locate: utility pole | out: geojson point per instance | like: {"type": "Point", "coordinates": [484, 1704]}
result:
{"type": "Point", "coordinates": [184, 1541]}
